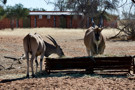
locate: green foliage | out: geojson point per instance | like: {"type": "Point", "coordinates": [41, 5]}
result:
{"type": "Point", "coordinates": [37, 9]}
{"type": "Point", "coordinates": [16, 12]}
{"type": "Point", "coordinates": [2, 13]}
{"type": "Point", "coordinates": [92, 8]}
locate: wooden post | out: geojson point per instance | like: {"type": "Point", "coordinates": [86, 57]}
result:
{"type": "Point", "coordinates": [133, 66]}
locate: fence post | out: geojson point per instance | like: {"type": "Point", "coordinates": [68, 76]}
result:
{"type": "Point", "coordinates": [133, 65]}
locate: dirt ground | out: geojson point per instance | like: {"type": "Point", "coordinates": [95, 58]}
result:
{"type": "Point", "coordinates": [12, 74]}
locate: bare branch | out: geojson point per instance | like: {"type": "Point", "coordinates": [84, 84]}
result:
{"type": "Point", "coordinates": [123, 4]}
{"type": "Point", "coordinates": [2, 67]}
{"type": "Point", "coordinates": [15, 59]}
{"type": "Point", "coordinates": [11, 67]}
{"type": "Point", "coordinates": [121, 30]}
{"type": "Point", "coordinates": [11, 58]}
{"type": "Point", "coordinates": [131, 7]}
{"type": "Point", "coordinates": [116, 35]}
{"type": "Point", "coordinates": [47, 2]}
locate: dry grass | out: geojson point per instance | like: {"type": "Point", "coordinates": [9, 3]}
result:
{"type": "Point", "coordinates": [52, 31]}
{"type": "Point", "coordinates": [71, 41]}
{"type": "Point", "coordinates": [42, 31]}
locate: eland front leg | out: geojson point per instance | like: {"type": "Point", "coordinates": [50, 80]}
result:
{"type": "Point", "coordinates": [41, 60]}
{"type": "Point", "coordinates": [89, 52]}
{"type": "Point", "coordinates": [36, 63]}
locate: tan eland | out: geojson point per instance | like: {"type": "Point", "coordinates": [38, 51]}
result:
{"type": "Point", "coordinates": [35, 45]}
{"type": "Point", "coordinates": [94, 41]}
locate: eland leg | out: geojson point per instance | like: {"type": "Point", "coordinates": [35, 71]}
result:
{"type": "Point", "coordinates": [36, 63]}
{"type": "Point", "coordinates": [102, 49]}
{"type": "Point", "coordinates": [89, 52]}
{"type": "Point", "coordinates": [27, 56]}
{"type": "Point", "coordinates": [41, 60]}
{"type": "Point", "coordinates": [97, 49]}
{"type": "Point", "coordinates": [32, 69]}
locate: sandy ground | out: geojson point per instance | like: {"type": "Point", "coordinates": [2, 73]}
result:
{"type": "Point", "coordinates": [71, 41]}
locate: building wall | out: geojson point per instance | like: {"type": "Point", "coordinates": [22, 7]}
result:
{"type": "Point", "coordinates": [21, 23]}
{"type": "Point", "coordinates": [57, 21]}
{"type": "Point", "coordinates": [45, 22]}
{"type": "Point", "coordinates": [112, 23]}
{"type": "Point", "coordinates": [76, 20]}
{"type": "Point", "coordinates": [71, 22]}
{"type": "Point", "coordinates": [68, 21]}
{"type": "Point", "coordinates": [6, 23]}
{"type": "Point", "coordinates": [32, 21]}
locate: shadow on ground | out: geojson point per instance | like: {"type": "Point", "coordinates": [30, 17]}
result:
{"type": "Point", "coordinates": [74, 74]}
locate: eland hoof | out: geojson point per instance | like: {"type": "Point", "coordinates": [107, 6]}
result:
{"type": "Point", "coordinates": [33, 76]}
{"type": "Point", "coordinates": [27, 76]}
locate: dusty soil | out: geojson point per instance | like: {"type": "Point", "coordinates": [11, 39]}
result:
{"type": "Point", "coordinates": [12, 74]}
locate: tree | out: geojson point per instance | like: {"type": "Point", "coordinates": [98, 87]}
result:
{"type": "Point", "coordinates": [2, 12]}
{"type": "Point", "coordinates": [59, 5]}
{"type": "Point", "coordinates": [89, 8]}
{"type": "Point", "coordinates": [127, 23]}
{"type": "Point", "coordinates": [92, 8]}
{"type": "Point", "coordinates": [15, 13]}
{"type": "Point", "coordinates": [37, 9]}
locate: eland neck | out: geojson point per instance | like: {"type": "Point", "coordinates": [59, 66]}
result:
{"type": "Point", "coordinates": [50, 49]}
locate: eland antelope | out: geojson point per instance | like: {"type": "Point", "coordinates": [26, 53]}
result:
{"type": "Point", "coordinates": [35, 45]}
{"type": "Point", "coordinates": [94, 41]}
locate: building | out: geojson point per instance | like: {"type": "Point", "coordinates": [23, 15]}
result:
{"type": "Point", "coordinates": [64, 19]}
{"type": "Point", "coordinates": [6, 23]}
{"type": "Point", "coordinates": [55, 19]}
